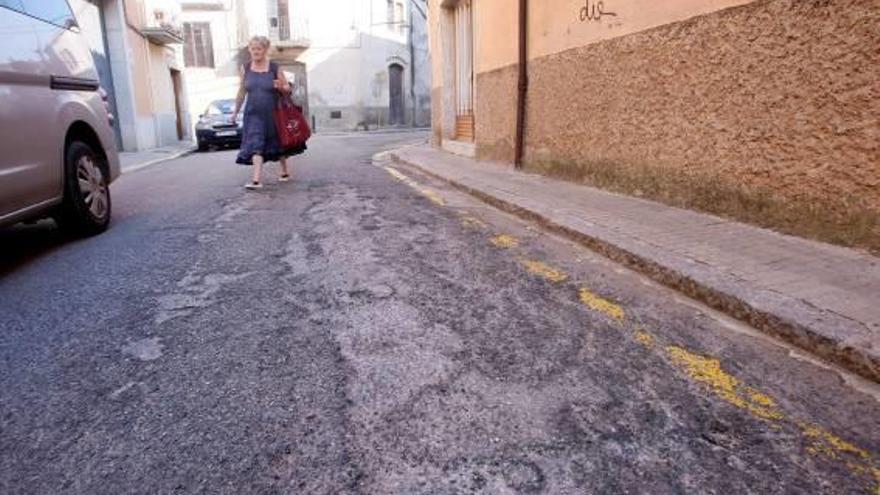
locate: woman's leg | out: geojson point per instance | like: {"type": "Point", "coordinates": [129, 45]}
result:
{"type": "Point", "coordinates": [284, 170]}
{"type": "Point", "coordinates": [258, 168]}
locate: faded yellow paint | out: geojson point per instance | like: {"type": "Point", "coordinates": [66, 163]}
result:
{"type": "Point", "coordinates": [505, 241]}
{"type": "Point", "coordinates": [471, 222]}
{"type": "Point", "coordinates": [709, 372]}
{"type": "Point", "coordinates": [860, 462]}
{"type": "Point", "coordinates": [645, 338]}
{"type": "Point", "coordinates": [831, 445]}
{"type": "Point", "coordinates": [822, 442]}
{"type": "Point", "coordinates": [761, 399]}
{"type": "Point", "coordinates": [431, 195]}
{"type": "Point", "coordinates": [545, 270]}
{"type": "Point", "coordinates": [601, 305]}
{"type": "Point", "coordinates": [397, 175]}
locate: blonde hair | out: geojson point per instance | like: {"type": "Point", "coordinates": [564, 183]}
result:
{"type": "Point", "coordinates": [262, 41]}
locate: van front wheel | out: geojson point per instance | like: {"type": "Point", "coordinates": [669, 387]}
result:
{"type": "Point", "coordinates": [86, 207]}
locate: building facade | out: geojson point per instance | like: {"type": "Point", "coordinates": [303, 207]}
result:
{"type": "Point", "coordinates": [768, 97]}
{"type": "Point", "coordinates": [137, 48]}
{"type": "Point", "coordinates": [357, 64]}
{"type": "Point", "coordinates": [215, 33]}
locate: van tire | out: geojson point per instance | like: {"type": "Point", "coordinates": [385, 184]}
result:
{"type": "Point", "coordinates": [86, 207]}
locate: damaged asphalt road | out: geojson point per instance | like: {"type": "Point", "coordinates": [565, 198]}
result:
{"type": "Point", "coordinates": [366, 330]}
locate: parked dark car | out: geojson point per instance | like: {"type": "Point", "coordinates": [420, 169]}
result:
{"type": "Point", "coordinates": [216, 128]}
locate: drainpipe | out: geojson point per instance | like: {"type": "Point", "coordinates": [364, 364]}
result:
{"type": "Point", "coordinates": [523, 85]}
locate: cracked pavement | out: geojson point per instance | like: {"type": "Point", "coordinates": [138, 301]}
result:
{"type": "Point", "coordinates": [365, 330]}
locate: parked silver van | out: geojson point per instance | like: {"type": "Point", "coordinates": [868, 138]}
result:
{"type": "Point", "coordinates": [57, 146]}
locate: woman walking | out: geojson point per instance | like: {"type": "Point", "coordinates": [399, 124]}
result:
{"type": "Point", "coordinates": [261, 81]}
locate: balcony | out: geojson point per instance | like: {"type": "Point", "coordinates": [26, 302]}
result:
{"type": "Point", "coordinates": [164, 35]}
{"type": "Point", "coordinates": [289, 33]}
{"type": "Point", "coordinates": [206, 4]}
{"type": "Point", "coordinates": [163, 25]}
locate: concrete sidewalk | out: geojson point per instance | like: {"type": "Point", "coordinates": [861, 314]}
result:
{"type": "Point", "coordinates": [823, 298]}
{"type": "Point", "coordinates": [382, 131]}
{"type": "Point", "coordinates": [131, 161]}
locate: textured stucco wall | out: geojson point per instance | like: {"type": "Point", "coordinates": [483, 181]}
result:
{"type": "Point", "coordinates": [559, 25]}
{"type": "Point", "coordinates": [779, 94]}
{"type": "Point", "coordinates": [496, 114]}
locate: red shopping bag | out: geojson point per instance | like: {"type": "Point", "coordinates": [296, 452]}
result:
{"type": "Point", "coordinates": [293, 128]}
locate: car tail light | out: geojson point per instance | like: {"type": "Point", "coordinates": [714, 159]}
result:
{"type": "Point", "coordinates": [106, 99]}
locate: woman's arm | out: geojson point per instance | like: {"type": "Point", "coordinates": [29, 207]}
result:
{"type": "Point", "coordinates": [281, 83]}
{"type": "Point", "coordinates": [239, 98]}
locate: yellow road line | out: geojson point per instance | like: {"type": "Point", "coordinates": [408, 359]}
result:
{"type": "Point", "coordinates": [601, 305]}
{"type": "Point", "coordinates": [544, 270]}
{"type": "Point", "coordinates": [709, 372]}
{"type": "Point", "coordinates": [505, 241]}
{"type": "Point", "coordinates": [431, 195]}
{"type": "Point", "coordinates": [471, 222]}
{"type": "Point", "coordinates": [702, 369]}
{"type": "Point", "coordinates": [645, 338]}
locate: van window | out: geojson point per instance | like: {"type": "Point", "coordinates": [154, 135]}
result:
{"type": "Point", "coordinates": [52, 11]}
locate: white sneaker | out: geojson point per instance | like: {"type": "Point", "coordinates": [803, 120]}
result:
{"type": "Point", "coordinates": [253, 185]}
{"type": "Point", "coordinates": [284, 178]}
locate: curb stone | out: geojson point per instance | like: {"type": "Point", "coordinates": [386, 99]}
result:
{"type": "Point", "coordinates": [173, 156]}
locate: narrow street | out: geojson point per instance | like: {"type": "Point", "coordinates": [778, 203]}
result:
{"type": "Point", "coordinates": [366, 329]}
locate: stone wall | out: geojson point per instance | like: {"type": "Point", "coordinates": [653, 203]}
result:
{"type": "Point", "coordinates": [776, 94]}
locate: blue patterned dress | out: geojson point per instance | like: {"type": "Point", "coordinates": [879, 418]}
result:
{"type": "Point", "coordinates": [259, 135]}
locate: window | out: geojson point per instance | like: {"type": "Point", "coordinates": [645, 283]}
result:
{"type": "Point", "coordinates": [395, 15]}
{"type": "Point", "coordinates": [198, 48]}
{"type": "Point", "coordinates": [283, 22]}
{"type": "Point", "coordinates": [398, 17]}
{"type": "Point", "coordinates": [55, 12]}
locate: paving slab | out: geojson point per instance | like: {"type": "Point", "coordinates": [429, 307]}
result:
{"type": "Point", "coordinates": [823, 298]}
